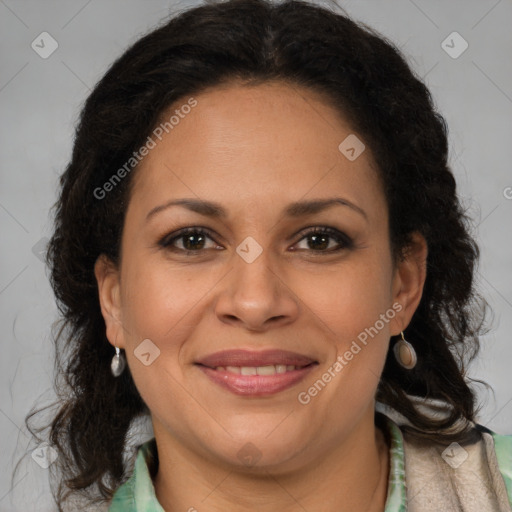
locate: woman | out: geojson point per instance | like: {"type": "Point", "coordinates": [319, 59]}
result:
{"type": "Point", "coordinates": [259, 246]}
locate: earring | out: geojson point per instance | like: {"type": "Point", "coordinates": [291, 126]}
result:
{"type": "Point", "coordinates": [405, 353]}
{"type": "Point", "coordinates": [118, 363]}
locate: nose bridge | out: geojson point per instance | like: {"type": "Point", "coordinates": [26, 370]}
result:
{"type": "Point", "coordinates": [253, 275]}
{"type": "Point", "coordinates": [255, 293]}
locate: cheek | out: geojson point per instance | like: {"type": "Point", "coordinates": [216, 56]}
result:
{"type": "Point", "coordinates": [165, 302]}
{"type": "Point", "coordinates": [359, 317]}
{"type": "Point", "coordinates": [159, 301]}
{"type": "Point", "coordinates": [158, 311]}
{"type": "Point", "coordinates": [350, 297]}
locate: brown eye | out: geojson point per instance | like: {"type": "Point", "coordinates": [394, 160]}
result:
{"type": "Point", "coordinates": [320, 239]}
{"type": "Point", "coordinates": [188, 240]}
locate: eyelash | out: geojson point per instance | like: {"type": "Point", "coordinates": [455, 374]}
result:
{"type": "Point", "coordinates": [341, 238]}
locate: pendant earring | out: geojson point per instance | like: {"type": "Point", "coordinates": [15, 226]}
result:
{"type": "Point", "coordinates": [118, 363]}
{"type": "Point", "coordinates": [405, 353]}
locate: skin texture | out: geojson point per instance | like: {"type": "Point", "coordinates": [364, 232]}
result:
{"type": "Point", "coordinates": [254, 150]}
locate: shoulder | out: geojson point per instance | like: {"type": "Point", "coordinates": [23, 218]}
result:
{"type": "Point", "coordinates": [137, 493]}
{"type": "Point", "coordinates": [473, 473]}
{"type": "Point", "coordinates": [124, 497]}
{"type": "Point", "coordinates": [503, 452]}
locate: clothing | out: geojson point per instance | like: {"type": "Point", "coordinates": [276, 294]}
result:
{"type": "Point", "coordinates": [423, 476]}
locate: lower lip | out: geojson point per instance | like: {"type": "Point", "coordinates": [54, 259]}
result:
{"type": "Point", "coordinates": [256, 385]}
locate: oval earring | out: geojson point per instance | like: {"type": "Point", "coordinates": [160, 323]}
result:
{"type": "Point", "coordinates": [118, 363]}
{"type": "Point", "coordinates": [405, 353]}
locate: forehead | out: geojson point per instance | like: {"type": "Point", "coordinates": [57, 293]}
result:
{"type": "Point", "coordinates": [253, 145]}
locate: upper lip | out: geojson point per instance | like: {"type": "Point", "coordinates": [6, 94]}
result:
{"type": "Point", "coordinates": [255, 358]}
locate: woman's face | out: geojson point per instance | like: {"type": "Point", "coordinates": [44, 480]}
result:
{"type": "Point", "coordinates": [257, 278]}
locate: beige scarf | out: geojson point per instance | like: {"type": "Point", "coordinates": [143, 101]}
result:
{"type": "Point", "coordinates": [433, 485]}
{"type": "Point", "coordinates": [463, 478]}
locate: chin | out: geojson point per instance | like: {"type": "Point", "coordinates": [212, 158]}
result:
{"type": "Point", "coordinates": [259, 449]}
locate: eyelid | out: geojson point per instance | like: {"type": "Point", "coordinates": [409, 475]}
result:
{"type": "Point", "coordinates": [166, 240]}
{"type": "Point", "coordinates": [344, 241]}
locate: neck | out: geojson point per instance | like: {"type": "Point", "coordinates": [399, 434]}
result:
{"type": "Point", "coordinates": [353, 475]}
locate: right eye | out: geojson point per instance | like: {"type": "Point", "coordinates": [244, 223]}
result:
{"type": "Point", "coordinates": [192, 240]}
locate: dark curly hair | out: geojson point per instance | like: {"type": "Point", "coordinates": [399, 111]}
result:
{"type": "Point", "coordinates": [366, 78]}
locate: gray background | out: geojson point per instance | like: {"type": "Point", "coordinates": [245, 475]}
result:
{"type": "Point", "coordinates": [41, 98]}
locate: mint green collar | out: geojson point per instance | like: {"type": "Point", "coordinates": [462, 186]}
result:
{"type": "Point", "coordinates": [137, 494]}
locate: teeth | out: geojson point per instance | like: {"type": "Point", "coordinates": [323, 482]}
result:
{"type": "Point", "coordinates": [257, 370]}
{"type": "Point", "coordinates": [266, 370]}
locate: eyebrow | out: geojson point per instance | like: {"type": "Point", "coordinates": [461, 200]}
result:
{"type": "Point", "coordinates": [296, 209]}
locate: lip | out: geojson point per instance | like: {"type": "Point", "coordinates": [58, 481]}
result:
{"type": "Point", "coordinates": [240, 357]}
{"type": "Point", "coordinates": [256, 385]}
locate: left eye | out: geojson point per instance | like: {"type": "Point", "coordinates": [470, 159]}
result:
{"type": "Point", "coordinates": [318, 239]}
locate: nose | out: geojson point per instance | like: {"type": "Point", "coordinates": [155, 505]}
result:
{"type": "Point", "coordinates": [256, 295]}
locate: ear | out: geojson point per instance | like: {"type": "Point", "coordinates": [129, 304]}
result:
{"type": "Point", "coordinates": [107, 277]}
{"type": "Point", "coordinates": [408, 281]}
